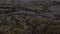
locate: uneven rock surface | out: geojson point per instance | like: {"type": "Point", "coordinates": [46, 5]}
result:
{"type": "Point", "coordinates": [29, 16]}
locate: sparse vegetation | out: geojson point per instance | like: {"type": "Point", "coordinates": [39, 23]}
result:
{"type": "Point", "coordinates": [16, 23]}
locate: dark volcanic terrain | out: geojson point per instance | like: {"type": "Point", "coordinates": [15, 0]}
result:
{"type": "Point", "coordinates": [29, 16]}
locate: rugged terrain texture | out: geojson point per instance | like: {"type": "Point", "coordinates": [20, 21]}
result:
{"type": "Point", "coordinates": [30, 17]}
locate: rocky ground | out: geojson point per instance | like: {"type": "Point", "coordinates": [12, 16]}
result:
{"type": "Point", "coordinates": [30, 17]}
